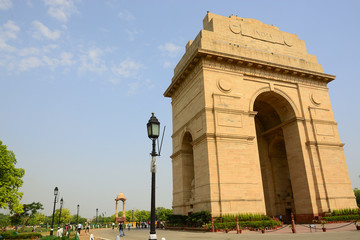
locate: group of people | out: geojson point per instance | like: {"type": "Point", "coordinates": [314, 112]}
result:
{"type": "Point", "coordinates": [121, 228]}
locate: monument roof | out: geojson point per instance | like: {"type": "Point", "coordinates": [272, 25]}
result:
{"type": "Point", "coordinates": [250, 43]}
{"type": "Point", "coordinates": [121, 196]}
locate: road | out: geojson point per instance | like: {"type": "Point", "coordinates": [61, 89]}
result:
{"type": "Point", "coordinates": [346, 233]}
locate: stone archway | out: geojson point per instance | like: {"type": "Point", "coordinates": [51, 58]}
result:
{"type": "Point", "coordinates": [273, 114]}
{"type": "Point", "coordinates": [122, 198]}
{"type": "Point", "coordinates": [263, 135]}
{"type": "Point", "coordinates": [188, 173]}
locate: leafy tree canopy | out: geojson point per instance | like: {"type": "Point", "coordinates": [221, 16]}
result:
{"type": "Point", "coordinates": [162, 213]}
{"type": "Point", "coordinates": [4, 220]}
{"type": "Point", "coordinates": [77, 218]}
{"type": "Point", "coordinates": [37, 219]}
{"type": "Point", "coordinates": [65, 217]}
{"type": "Point", "coordinates": [28, 210]}
{"type": "Point", "coordinates": [357, 195]}
{"type": "Point", "coordinates": [142, 215]}
{"type": "Point", "coordinates": [10, 181]}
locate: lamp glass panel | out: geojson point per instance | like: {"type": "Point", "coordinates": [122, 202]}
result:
{"type": "Point", "coordinates": [149, 130]}
{"type": "Point", "coordinates": [156, 129]}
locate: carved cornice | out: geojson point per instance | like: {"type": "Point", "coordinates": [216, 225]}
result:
{"type": "Point", "coordinates": [324, 144]}
{"type": "Point", "coordinates": [246, 66]}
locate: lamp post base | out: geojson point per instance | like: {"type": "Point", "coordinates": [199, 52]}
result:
{"type": "Point", "coordinates": [152, 237]}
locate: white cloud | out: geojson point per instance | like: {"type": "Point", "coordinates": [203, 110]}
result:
{"type": "Point", "coordinates": [60, 9]}
{"type": "Point", "coordinates": [167, 64]}
{"type": "Point", "coordinates": [43, 31]}
{"type": "Point", "coordinates": [126, 15]}
{"type": "Point", "coordinates": [170, 49]}
{"type": "Point", "coordinates": [8, 30]}
{"type": "Point", "coordinates": [94, 54]}
{"type": "Point", "coordinates": [133, 87]}
{"type": "Point", "coordinates": [29, 51]}
{"type": "Point", "coordinates": [136, 86]}
{"type": "Point", "coordinates": [92, 61]}
{"type": "Point", "coordinates": [66, 59]}
{"type": "Point", "coordinates": [28, 63]}
{"type": "Point", "coordinates": [131, 34]}
{"type": "Point", "coordinates": [127, 69]}
{"type": "Point", "coordinates": [5, 4]}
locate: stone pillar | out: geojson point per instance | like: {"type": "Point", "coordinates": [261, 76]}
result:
{"type": "Point", "coordinates": [123, 209]}
{"type": "Point", "coordinates": [117, 207]}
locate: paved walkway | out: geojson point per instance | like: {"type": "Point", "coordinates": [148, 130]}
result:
{"type": "Point", "coordinates": [334, 232]}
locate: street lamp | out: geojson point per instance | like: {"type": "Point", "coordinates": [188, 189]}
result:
{"type": "Point", "coordinates": [61, 204]}
{"type": "Point", "coordinates": [77, 216]}
{"type": "Point", "coordinates": [153, 128]}
{"type": "Point", "coordinates": [56, 191]}
{"type": "Point", "coordinates": [96, 216]}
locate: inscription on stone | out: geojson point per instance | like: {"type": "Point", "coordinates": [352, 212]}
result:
{"type": "Point", "coordinates": [250, 30]}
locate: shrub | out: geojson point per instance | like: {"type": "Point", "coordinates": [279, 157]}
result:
{"type": "Point", "coordinates": [197, 219]}
{"type": "Point", "coordinates": [341, 218]}
{"type": "Point", "coordinates": [176, 220]}
{"type": "Point", "coordinates": [346, 211]}
{"type": "Point", "coordinates": [25, 235]}
{"type": "Point", "coordinates": [247, 224]}
{"type": "Point", "coordinates": [244, 217]}
{"type": "Point", "coordinates": [58, 238]}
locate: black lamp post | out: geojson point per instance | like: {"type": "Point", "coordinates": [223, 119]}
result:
{"type": "Point", "coordinates": [61, 204]}
{"type": "Point", "coordinates": [77, 216]}
{"type": "Point", "coordinates": [96, 215]}
{"type": "Point", "coordinates": [56, 191]}
{"type": "Point", "coordinates": [153, 128]}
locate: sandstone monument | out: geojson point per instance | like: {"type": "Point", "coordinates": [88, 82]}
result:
{"type": "Point", "coordinates": [122, 198]}
{"type": "Point", "coordinates": [253, 127]}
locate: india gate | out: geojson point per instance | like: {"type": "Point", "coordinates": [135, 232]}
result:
{"type": "Point", "coordinates": [253, 126]}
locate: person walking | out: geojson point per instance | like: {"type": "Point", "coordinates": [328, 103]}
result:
{"type": "Point", "coordinates": [121, 229]}
{"type": "Point", "coordinates": [79, 227]}
{"type": "Point", "coordinates": [113, 225]}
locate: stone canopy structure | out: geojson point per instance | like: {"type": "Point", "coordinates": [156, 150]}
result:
{"type": "Point", "coordinates": [253, 127]}
{"type": "Point", "coordinates": [120, 197]}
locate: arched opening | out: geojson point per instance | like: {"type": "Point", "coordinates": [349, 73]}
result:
{"type": "Point", "coordinates": [273, 121]}
{"type": "Point", "coordinates": [188, 172]}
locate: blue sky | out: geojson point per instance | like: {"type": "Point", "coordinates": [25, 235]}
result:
{"type": "Point", "coordinates": [79, 80]}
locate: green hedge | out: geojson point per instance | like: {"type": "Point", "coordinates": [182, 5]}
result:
{"type": "Point", "coordinates": [58, 238]}
{"type": "Point", "coordinates": [243, 217]}
{"type": "Point", "coordinates": [24, 235]}
{"type": "Point", "coordinates": [197, 219]}
{"type": "Point", "coordinates": [341, 218]}
{"type": "Point", "coordinates": [346, 211]}
{"type": "Point", "coordinates": [247, 224]}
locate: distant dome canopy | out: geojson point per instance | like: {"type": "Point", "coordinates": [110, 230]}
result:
{"type": "Point", "coordinates": [120, 197]}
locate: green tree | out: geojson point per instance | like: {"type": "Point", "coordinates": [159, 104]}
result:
{"type": "Point", "coordinates": [162, 213]}
{"type": "Point", "coordinates": [29, 210]}
{"type": "Point", "coordinates": [4, 220]}
{"type": "Point", "coordinates": [80, 219]}
{"type": "Point", "coordinates": [65, 216]}
{"type": "Point", "coordinates": [37, 219]}
{"type": "Point", "coordinates": [16, 219]}
{"type": "Point", "coordinates": [357, 195]}
{"type": "Point", "coordinates": [10, 181]}
{"type": "Point", "coordinates": [129, 216]}
{"type": "Point", "coordinates": [142, 215]}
